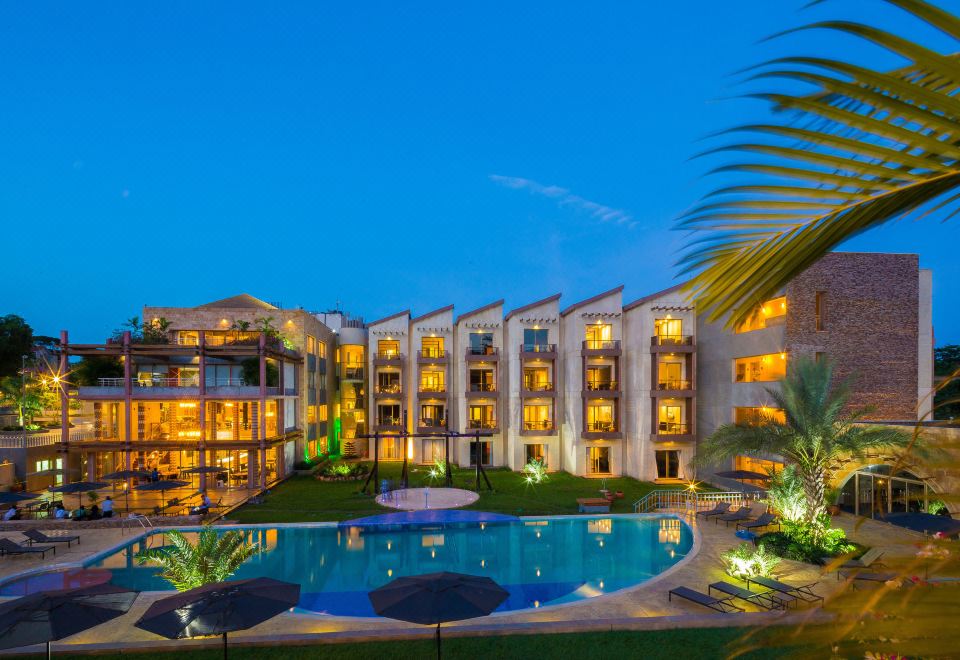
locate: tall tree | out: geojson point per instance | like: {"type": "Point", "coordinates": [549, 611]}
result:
{"type": "Point", "coordinates": [818, 430]}
{"type": "Point", "coordinates": [16, 340]}
{"type": "Point", "coordinates": [853, 148]}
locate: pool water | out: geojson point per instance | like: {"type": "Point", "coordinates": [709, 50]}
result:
{"type": "Point", "coordinates": [539, 561]}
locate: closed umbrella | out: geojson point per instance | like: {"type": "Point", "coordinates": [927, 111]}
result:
{"type": "Point", "coordinates": [78, 487]}
{"type": "Point", "coordinates": [220, 608]}
{"type": "Point", "coordinates": [436, 598]}
{"type": "Point", "coordinates": [123, 475]}
{"type": "Point", "coordinates": [47, 616]}
{"type": "Point", "coordinates": [162, 485]}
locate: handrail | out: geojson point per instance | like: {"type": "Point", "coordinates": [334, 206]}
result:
{"type": "Point", "coordinates": [538, 387]}
{"type": "Point", "coordinates": [675, 384]}
{"type": "Point", "coordinates": [601, 344]}
{"type": "Point", "coordinates": [538, 348]}
{"type": "Point", "coordinates": [602, 386]}
{"type": "Point", "coordinates": [690, 500]}
{"type": "Point", "coordinates": [483, 387]}
{"type": "Point", "coordinates": [667, 340]}
{"type": "Point", "coordinates": [437, 353]}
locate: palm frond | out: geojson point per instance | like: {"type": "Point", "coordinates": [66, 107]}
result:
{"type": "Point", "coordinates": [864, 148]}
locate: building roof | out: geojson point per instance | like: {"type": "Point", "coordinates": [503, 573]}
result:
{"type": "Point", "coordinates": [495, 303]}
{"type": "Point", "coordinates": [530, 306]}
{"type": "Point", "coordinates": [433, 313]}
{"type": "Point", "coordinates": [652, 296]}
{"type": "Point", "coordinates": [405, 312]}
{"type": "Point", "coordinates": [243, 301]}
{"type": "Point", "coordinates": [599, 296]}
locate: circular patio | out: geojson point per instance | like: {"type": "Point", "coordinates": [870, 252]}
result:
{"type": "Point", "coordinates": [421, 499]}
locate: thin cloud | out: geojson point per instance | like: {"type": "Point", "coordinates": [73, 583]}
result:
{"type": "Point", "coordinates": [564, 197]}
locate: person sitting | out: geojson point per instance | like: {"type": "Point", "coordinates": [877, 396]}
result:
{"type": "Point", "coordinates": [204, 506]}
{"type": "Point", "coordinates": [155, 475]}
{"type": "Point", "coordinates": [107, 508]}
{"type": "Point", "coordinates": [13, 513]}
{"type": "Point", "coordinates": [79, 514]}
{"type": "Point", "coordinates": [59, 512]}
{"type": "Point", "coordinates": [94, 512]}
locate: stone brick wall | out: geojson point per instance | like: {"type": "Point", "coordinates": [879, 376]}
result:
{"type": "Point", "coordinates": [871, 319]}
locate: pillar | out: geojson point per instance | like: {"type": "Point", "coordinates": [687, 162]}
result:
{"type": "Point", "coordinates": [252, 467]}
{"type": "Point", "coordinates": [263, 466]}
{"type": "Point", "coordinates": [64, 402]}
{"type": "Point", "coordinates": [91, 466]}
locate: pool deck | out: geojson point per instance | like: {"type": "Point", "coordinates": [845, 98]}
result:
{"type": "Point", "coordinates": [644, 607]}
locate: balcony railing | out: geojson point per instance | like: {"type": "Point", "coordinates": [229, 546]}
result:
{"type": "Point", "coordinates": [673, 428]}
{"type": "Point", "coordinates": [436, 389]}
{"type": "Point", "coordinates": [483, 387]}
{"type": "Point", "coordinates": [481, 423]}
{"type": "Point", "coordinates": [389, 388]}
{"type": "Point", "coordinates": [674, 385]}
{"type": "Point", "coordinates": [351, 372]}
{"type": "Point", "coordinates": [601, 344]}
{"type": "Point", "coordinates": [389, 421]}
{"type": "Point", "coordinates": [437, 353]}
{"type": "Point", "coordinates": [538, 387]}
{"type": "Point", "coordinates": [538, 425]}
{"type": "Point", "coordinates": [602, 385]}
{"type": "Point", "coordinates": [483, 350]}
{"type": "Point", "coordinates": [538, 348]}
{"type": "Point", "coordinates": [388, 355]}
{"type": "Point", "coordinates": [432, 422]}
{"type": "Point", "coordinates": [601, 427]}
{"type": "Point", "coordinates": [672, 340]}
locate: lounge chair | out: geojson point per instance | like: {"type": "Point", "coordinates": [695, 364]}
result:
{"type": "Point", "coordinates": [8, 547]}
{"type": "Point", "coordinates": [722, 605]}
{"type": "Point", "coordinates": [869, 558]}
{"type": "Point", "coordinates": [766, 520]}
{"type": "Point", "coordinates": [36, 536]}
{"type": "Point", "coordinates": [719, 509]}
{"type": "Point", "coordinates": [743, 513]}
{"type": "Point", "coordinates": [803, 592]}
{"type": "Point", "coordinates": [869, 577]}
{"type": "Point", "coordinates": [769, 600]}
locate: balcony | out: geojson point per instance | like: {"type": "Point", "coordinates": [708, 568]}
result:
{"type": "Point", "coordinates": [388, 424]}
{"type": "Point", "coordinates": [387, 357]}
{"type": "Point", "coordinates": [481, 424]}
{"type": "Point", "coordinates": [672, 344]}
{"type": "Point", "coordinates": [672, 432]}
{"type": "Point", "coordinates": [538, 351]}
{"type": "Point", "coordinates": [538, 427]}
{"type": "Point", "coordinates": [601, 430]}
{"type": "Point", "coordinates": [601, 389]}
{"type": "Point", "coordinates": [669, 388]}
{"type": "Point", "coordinates": [351, 372]}
{"type": "Point", "coordinates": [483, 354]}
{"type": "Point", "coordinates": [432, 392]}
{"type": "Point", "coordinates": [387, 390]}
{"type": "Point", "coordinates": [481, 390]}
{"type": "Point", "coordinates": [432, 424]}
{"type": "Point", "coordinates": [602, 347]}
{"type": "Point", "coordinates": [539, 389]}
{"type": "Point", "coordinates": [432, 356]}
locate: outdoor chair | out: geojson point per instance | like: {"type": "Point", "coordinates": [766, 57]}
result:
{"type": "Point", "coordinates": [868, 577]}
{"type": "Point", "coordinates": [743, 513]}
{"type": "Point", "coordinates": [765, 520]}
{"type": "Point", "coordinates": [8, 547]}
{"type": "Point", "coordinates": [768, 600]}
{"type": "Point", "coordinates": [36, 536]}
{"type": "Point", "coordinates": [719, 509]}
{"type": "Point", "coordinates": [803, 592]}
{"type": "Point", "coordinates": [869, 558]}
{"type": "Point", "coordinates": [722, 605]}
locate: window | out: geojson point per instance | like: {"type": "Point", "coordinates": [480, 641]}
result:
{"type": "Point", "coordinates": [819, 311]}
{"type": "Point", "coordinates": [481, 343]}
{"type": "Point", "coordinates": [537, 418]}
{"type": "Point", "coordinates": [481, 417]}
{"type": "Point", "coordinates": [188, 337]}
{"type": "Point", "coordinates": [771, 312]}
{"type": "Point", "coordinates": [598, 460]}
{"type": "Point", "coordinates": [485, 452]}
{"type": "Point", "coordinates": [535, 453]}
{"type": "Point", "coordinates": [670, 376]}
{"type": "Point", "coordinates": [670, 419]}
{"type": "Point", "coordinates": [599, 335]}
{"type": "Point", "coordinates": [389, 414]}
{"type": "Point", "coordinates": [312, 380]}
{"type": "Point", "coordinates": [600, 377]}
{"type": "Point", "coordinates": [668, 327]}
{"type": "Point", "coordinates": [760, 368]}
{"type": "Point", "coordinates": [391, 448]}
{"type": "Point", "coordinates": [322, 349]}
{"type": "Point", "coordinates": [535, 339]}
{"type": "Point", "coordinates": [753, 416]}
{"type": "Point", "coordinates": [432, 381]}
{"type": "Point", "coordinates": [433, 415]}
{"type": "Point", "coordinates": [322, 410]}
{"type": "Point", "coordinates": [431, 347]}
{"type": "Point", "coordinates": [600, 417]}
{"type": "Point", "coordinates": [819, 357]}
{"type": "Point", "coordinates": [433, 450]}
{"type": "Point", "coordinates": [481, 380]}
{"type": "Point", "coordinates": [537, 379]}
{"type": "Point", "coordinates": [388, 382]}
{"type": "Point", "coordinates": [388, 348]}
{"type": "Point", "coordinates": [668, 464]}
{"type": "Point", "coordinates": [311, 345]}
{"type": "Point", "coordinates": [311, 414]}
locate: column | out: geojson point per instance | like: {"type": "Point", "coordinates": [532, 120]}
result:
{"type": "Point", "coordinates": [263, 466]}
{"type": "Point", "coordinates": [64, 402]}
{"type": "Point", "coordinates": [127, 388]}
{"type": "Point", "coordinates": [252, 466]}
{"type": "Point", "coordinates": [91, 466]}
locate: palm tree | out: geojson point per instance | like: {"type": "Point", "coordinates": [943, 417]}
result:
{"type": "Point", "coordinates": [214, 558]}
{"type": "Point", "coordinates": [817, 432]}
{"type": "Point", "coordinates": [862, 148]}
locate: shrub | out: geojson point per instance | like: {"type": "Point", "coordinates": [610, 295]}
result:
{"type": "Point", "coordinates": [439, 469]}
{"type": "Point", "coordinates": [746, 561]}
{"type": "Point", "coordinates": [785, 495]}
{"type": "Point", "coordinates": [341, 470]}
{"type": "Point", "coordinates": [535, 472]}
{"type": "Point", "coordinates": [303, 465]}
{"type": "Point", "coordinates": [937, 508]}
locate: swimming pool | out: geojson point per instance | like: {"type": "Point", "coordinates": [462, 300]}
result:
{"type": "Point", "coordinates": [540, 561]}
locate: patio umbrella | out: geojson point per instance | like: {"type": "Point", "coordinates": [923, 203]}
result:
{"type": "Point", "coordinates": [218, 609]}
{"type": "Point", "coordinates": [203, 469]}
{"type": "Point", "coordinates": [78, 487]}
{"type": "Point", "coordinates": [162, 485]}
{"type": "Point", "coordinates": [740, 475]}
{"type": "Point", "coordinates": [436, 598]}
{"type": "Point", "coordinates": [123, 475]}
{"type": "Point", "coordinates": [47, 616]}
{"type": "Point", "coordinates": [10, 497]}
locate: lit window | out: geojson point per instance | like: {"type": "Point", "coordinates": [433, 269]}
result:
{"type": "Point", "coordinates": [757, 415]}
{"type": "Point", "coordinates": [769, 313]}
{"type": "Point", "coordinates": [760, 368]}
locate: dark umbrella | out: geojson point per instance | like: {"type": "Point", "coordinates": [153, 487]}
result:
{"type": "Point", "coordinates": [740, 475]}
{"type": "Point", "coordinates": [218, 609]}
{"type": "Point", "coordinates": [47, 616]}
{"type": "Point", "coordinates": [162, 485]}
{"type": "Point", "coordinates": [78, 487]}
{"type": "Point", "coordinates": [123, 475]}
{"type": "Point", "coordinates": [202, 469]}
{"type": "Point", "coordinates": [437, 598]}
{"type": "Point", "coordinates": [10, 497]}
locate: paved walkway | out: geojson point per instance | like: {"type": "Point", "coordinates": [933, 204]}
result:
{"type": "Point", "coordinates": [418, 499]}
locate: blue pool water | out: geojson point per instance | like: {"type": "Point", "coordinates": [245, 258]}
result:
{"type": "Point", "coordinates": [539, 561]}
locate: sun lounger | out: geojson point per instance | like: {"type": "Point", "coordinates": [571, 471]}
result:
{"type": "Point", "coordinates": [36, 536]}
{"type": "Point", "coordinates": [770, 600]}
{"type": "Point", "coordinates": [743, 513]}
{"type": "Point", "coordinates": [869, 558]}
{"type": "Point", "coordinates": [719, 509]}
{"type": "Point", "coordinates": [8, 547]}
{"type": "Point", "coordinates": [593, 505]}
{"type": "Point", "coordinates": [803, 592]}
{"type": "Point", "coordinates": [719, 604]}
{"type": "Point", "coordinates": [869, 577]}
{"type": "Point", "coordinates": [766, 520]}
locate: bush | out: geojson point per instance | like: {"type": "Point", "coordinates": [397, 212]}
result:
{"type": "Point", "coordinates": [746, 561]}
{"type": "Point", "coordinates": [303, 465]}
{"type": "Point", "coordinates": [796, 541]}
{"type": "Point", "coordinates": [785, 495]}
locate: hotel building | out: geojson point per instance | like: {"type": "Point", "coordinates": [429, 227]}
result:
{"type": "Point", "coordinates": [597, 388]}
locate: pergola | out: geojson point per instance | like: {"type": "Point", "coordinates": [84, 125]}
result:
{"type": "Point", "coordinates": [404, 474]}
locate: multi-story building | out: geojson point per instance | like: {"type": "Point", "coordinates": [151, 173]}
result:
{"type": "Point", "coordinates": [597, 389]}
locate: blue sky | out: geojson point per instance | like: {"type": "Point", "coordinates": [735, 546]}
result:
{"type": "Point", "coordinates": [386, 155]}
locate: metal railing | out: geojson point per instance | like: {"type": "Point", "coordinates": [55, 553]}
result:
{"type": "Point", "coordinates": [227, 382]}
{"type": "Point", "coordinates": [16, 440]}
{"type": "Point", "coordinates": [483, 387]}
{"type": "Point", "coordinates": [538, 425]}
{"type": "Point", "coordinates": [432, 353]}
{"type": "Point", "coordinates": [672, 340]}
{"type": "Point", "coordinates": [483, 350]}
{"type": "Point", "coordinates": [684, 499]}
{"type": "Point", "coordinates": [389, 388]}
{"type": "Point", "coordinates": [674, 385]}
{"type": "Point", "coordinates": [432, 422]}
{"type": "Point", "coordinates": [672, 428]}
{"type": "Point", "coordinates": [438, 389]}
{"type": "Point", "coordinates": [481, 423]}
{"type": "Point", "coordinates": [350, 372]}
{"type": "Point", "coordinates": [602, 386]}
{"type": "Point", "coordinates": [538, 387]}
{"type": "Point", "coordinates": [538, 348]}
{"type": "Point", "coordinates": [388, 355]}
{"type": "Point", "coordinates": [601, 344]}
{"type": "Point", "coordinates": [601, 427]}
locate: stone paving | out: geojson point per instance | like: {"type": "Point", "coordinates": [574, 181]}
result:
{"type": "Point", "coordinates": [643, 607]}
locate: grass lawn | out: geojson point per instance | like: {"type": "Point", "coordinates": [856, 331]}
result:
{"type": "Point", "coordinates": [304, 499]}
